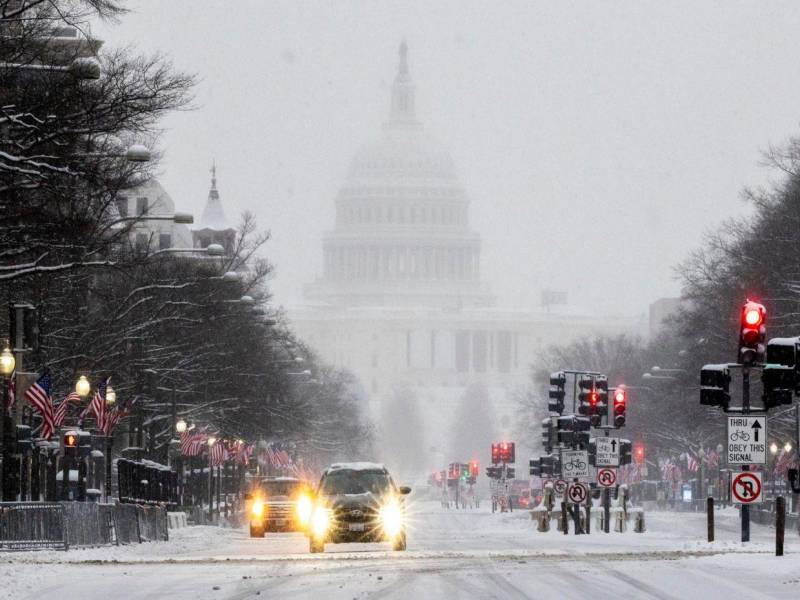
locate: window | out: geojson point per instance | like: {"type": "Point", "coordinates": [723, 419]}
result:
{"type": "Point", "coordinates": [164, 241]}
{"type": "Point", "coordinates": [141, 206]}
{"type": "Point", "coordinates": [462, 351]}
{"type": "Point", "coordinates": [122, 206]}
{"type": "Point", "coordinates": [479, 351]}
{"type": "Point", "coordinates": [142, 241]}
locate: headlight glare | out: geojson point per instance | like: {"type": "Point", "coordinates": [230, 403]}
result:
{"type": "Point", "coordinates": [258, 507]}
{"type": "Point", "coordinates": [320, 521]}
{"type": "Point", "coordinates": [305, 509]}
{"type": "Point", "coordinates": [392, 518]}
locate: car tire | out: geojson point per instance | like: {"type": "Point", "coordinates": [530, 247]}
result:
{"type": "Point", "coordinates": [256, 532]}
{"type": "Point", "coordinates": [315, 546]}
{"type": "Point", "coordinates": [399, 543]}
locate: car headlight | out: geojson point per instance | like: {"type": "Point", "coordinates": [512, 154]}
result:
{"type": "Point", "coordinates": [320, 521]}
{"type": "Point", "coordinates": [257, 508]}
{"type": "Point", "coordinates": [391, 515]}
{"type": "Point", "coordinates": [304, 509]}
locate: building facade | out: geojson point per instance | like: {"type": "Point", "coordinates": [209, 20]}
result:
{"type": "Point", "coordinates": [401, 302]}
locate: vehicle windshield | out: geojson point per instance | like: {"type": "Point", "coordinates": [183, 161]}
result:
{"type": "Point", "coordinates": [348, 481]}
{"type": "Point", "coordinates": [280, 488]}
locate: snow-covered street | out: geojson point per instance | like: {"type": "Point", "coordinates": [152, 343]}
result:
{"type": "Point", "coordinates": [452, 554]}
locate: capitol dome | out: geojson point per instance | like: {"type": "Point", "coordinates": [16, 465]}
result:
{"type": "Point", "coordinates": [407, 153]}
{"type": "Point", "coordinates": [402, 235]}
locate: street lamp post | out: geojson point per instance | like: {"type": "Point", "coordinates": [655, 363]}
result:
{"type": "Point", "coordinates": [180, 428]}
{"type": "Point", "coordinates": [111, 398]}
{"type": "Point", "coordinates": [211, 441]}
{"type": "Point", "coordinates": [7, 363]}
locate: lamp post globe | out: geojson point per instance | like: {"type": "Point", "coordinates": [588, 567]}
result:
{"type": "Point", "coordinates": [180, 426]}
{"type": "Point", "coordinates": [211, 441]}
{"type": "Point", "coordinates": [773, 448]}
{"type": "Point", "coordinates": [111, 396]}
{"type": "Point", "coordinates": [787, 446]}
{"type": "Point", "coordinates": [82, 387]}
{"type": "Point", "coordinates": [7, 362]}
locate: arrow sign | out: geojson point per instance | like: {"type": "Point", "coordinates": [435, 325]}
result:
{"type": "Point", "coordinates": [756, 426]}
{"type": "Point", "coordinates": [613, 445]}
{"type": "Point", "coordinates": [746, 442]}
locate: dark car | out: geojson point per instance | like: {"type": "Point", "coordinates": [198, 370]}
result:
{"type": "Point", "coordinates": [279, 504]}
{"type": "Point", "coordinates": [358, 502]}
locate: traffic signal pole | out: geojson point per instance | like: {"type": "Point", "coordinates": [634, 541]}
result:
{"type": "Point", "coordinates": [745, 510]}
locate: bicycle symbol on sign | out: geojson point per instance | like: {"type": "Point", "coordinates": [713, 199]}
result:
{"type": "Point", "coordinates": [575, 465]}
{"type": "Point", "coordinates": [739, 435]}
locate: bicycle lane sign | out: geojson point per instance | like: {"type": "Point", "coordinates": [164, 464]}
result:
{"type": "Point", "coordinates": [575, 464]}
{"type": "Point", "coordinates": [747, 440]}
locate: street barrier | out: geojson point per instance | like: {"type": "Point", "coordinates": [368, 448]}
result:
{"type": "Point", "coordinates": [542, 517]}
{"type": "Point", "coordinates": [32, 525]}
{"type": "Point", "coordinates": [620, 517]}
{"type": "Point", "coordinates": [61, 525]}
{"type": "Point", "coordinates": [177, 520]}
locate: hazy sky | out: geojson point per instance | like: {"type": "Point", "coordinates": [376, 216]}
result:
{"type": "Point", "coordinates": [596, 140]}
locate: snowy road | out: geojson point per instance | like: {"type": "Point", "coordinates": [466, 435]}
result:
{"type": "Point", "coordinates": [464, 554]}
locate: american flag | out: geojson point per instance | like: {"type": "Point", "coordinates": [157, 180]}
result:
{"type": "Point", "coordinates": [192, 444]}
{"type": "Point", "coordinates": [60, 412]}
{"type": "Point", "coordinates": [784, 463]}
{"type": "Point", "coordinates": [691, 463]}
{"type": "Point", "coordinates": [119, 412]}
{"type": "Point", "coordinates": [711, 459]}
{"type": "Point", "coordinates": [12, 391]}
{"type": "Point", "coordinates": [219, 454]}
{"type": "Point", "coordinates": [39, 396]}
{"type": "Point", "coordinates": [97, 406]}
{"type": "Point", "coordinates": [278, 457]}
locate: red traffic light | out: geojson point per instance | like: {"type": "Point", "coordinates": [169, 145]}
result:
{"type": "Point", "coordinates": [474, 469]}
{"type": "Point", "coordinates": [619, 397]}
{"type": "Point", "coordinates": [593, 398]}
{"type": "Point", "coordinates": [753, 333]}
{"type": "Point", "coordinates": [638, 453]}
{"type": "Point", "coordinates": [753, 316]}
{"type": "Point", "coordinates": [70, 440]}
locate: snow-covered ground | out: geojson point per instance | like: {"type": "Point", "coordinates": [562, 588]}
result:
{"type": "Point", "coordinates": [452, 554]}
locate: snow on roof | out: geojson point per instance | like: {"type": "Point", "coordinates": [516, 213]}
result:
{"type": "Point", "coordinates": [357, 466]}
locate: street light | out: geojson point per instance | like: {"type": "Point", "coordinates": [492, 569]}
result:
{"type": "Point", "coordinates": [787, 447]}
{"type": "Point", "coordinates": [83, 387]}
{"type": "Point", "coordinates": [773, 448]}
{"type": "Point", "coordinates": [7, 362]}
{"type": "Point", "coordinates": [180, 426]}
{"type": "Point", "coordinates": [111, 396]}
{"type": "Point", "coordinates": [211, 441]}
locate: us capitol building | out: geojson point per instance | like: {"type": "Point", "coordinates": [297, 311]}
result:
{"type": "Point", "coordinates": [400, 301]}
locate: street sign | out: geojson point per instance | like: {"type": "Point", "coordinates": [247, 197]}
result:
{"type": "Point", "coordinates": [746, 488]}
{"type": "Point", "coordinates": [607, 452]}
{"type": "Point", "coordinates": [578, 493]}
{"type": "Point", "coordinates": [747, 440]}
{"type": "Point", "coordinates": [560, 486]}
{"type": "Point", "coordinates": [606, 477]}
{"type": "Point", "coordinates": [575, 464]}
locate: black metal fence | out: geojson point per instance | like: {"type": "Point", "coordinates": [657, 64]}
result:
{"type": "Point", "coordinates": [146, 483]}
{"type": "Point", "coordinates": [30, 525]}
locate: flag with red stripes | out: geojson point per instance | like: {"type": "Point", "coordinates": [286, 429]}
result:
{"type": "Point", "coordinates": [192, 444]}
{"type": "Point", "coordinates": [218, 454]}
{"type": "Point", "coordinates": [39, 397]}
{"type": "Point", "coordinates": [12, 391]}
{"type": "Point", "coordinates": [60, 412]}
{"type": "Point", "coordinates": [97, 406]}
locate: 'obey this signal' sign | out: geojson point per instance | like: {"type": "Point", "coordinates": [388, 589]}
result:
{"type": "Point", "coordinates": [747, 440]}
{"type": "Point", "coordinates": [746, 488]}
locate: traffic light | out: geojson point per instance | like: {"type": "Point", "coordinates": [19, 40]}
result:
{"type": "Point", "coordinates": [587, 397]}
{"type": "Point", "coordinates": [558, 381]}
{"type": "Point", "coordinates": [625, 452]}
{"type": "Point", "coordinates": [465, 471]}
{"type": "Point", "coordinates": [24, 319]}
{"type": "Point", "coordinates": [496, 459]}
{"type": "Point", "coordinates": [601, 387]}
{"type": "Point", "coordinates": [507, 453]}
{"type": "Point", "coordinates": [780, 376]}
{"type": "Point", "coordinates": [620, 405]}
{"type": "Point", "coordinates": [638, 453]}
{"type": "Point", "coordinates": [509, 472]}
{"type": "Point", "coordinates": [715, 382]}
{"type": "Point", "coordinates": [493, 472]}
{"type": "Point", "coordinates": [474, 469]}
{"type": "Point", "coordinates": [69, 443]}
{"type": "Point", "coordinates": [547, 465]}
{"type": "Point", "coordinates": [534, 467]}
{"type": "Point", "coordinates": [592, 452]}
{"type": "Point", "coordinates": [752, 333]}
{"type": "Point", "coordinates": [547, 434]}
